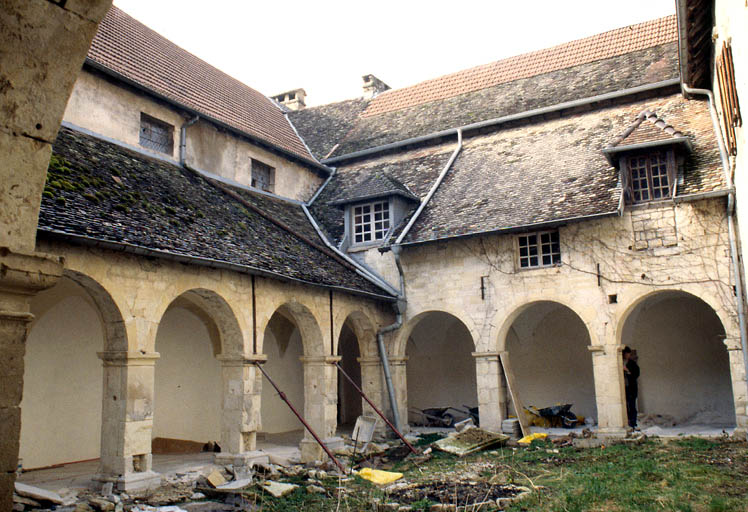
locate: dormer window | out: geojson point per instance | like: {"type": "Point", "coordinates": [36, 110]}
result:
{"type": "Point", "coordinates": [156, 134]}
{"type": "Point", "coordinates": [371, 221]}
{"type": "Point", "coordinates": [649, 177]}
{"type": "Point", "coordinates": [263, 176]}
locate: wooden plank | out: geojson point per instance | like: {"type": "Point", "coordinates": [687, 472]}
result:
{"type": "Point", "coordinates": [518, 407]}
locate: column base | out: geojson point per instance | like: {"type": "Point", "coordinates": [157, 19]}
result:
{"type": "Point", "coordinates": [141, 481]}
{"type": "Point", "coordinates": [612, 432]}
{"type": "Point", "coordinates": [244, 459]}
{"type": "Point", "coordinates": [311, 451]}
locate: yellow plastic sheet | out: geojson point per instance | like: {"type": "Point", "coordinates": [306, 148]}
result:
{"type": "Point", "coordinates": [532, 437]}
{"type": "Point", "coordinates": [378, 476]}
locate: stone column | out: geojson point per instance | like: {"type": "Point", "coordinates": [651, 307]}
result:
{"type": "Point", "coordinates": [21, 277]}
{"type": "Point", "coordinates": [737, 375]}
{"type": "Point", "coordinates": [320, 403]}
{"type": "Point", "coordinates": [491, 392]}
{"type": "Point", "coordinates": [400, 383]}
{"type": "Point", "coordinates": [610, 395]}
{"type": "Point", "coordinates": [240, 414]}
{"type": "Point", "coordinates": [127, 420]}
{"type": "Point", "coordinates": [372, 384]}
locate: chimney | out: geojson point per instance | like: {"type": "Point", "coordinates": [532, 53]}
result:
{"type": "Point", "coordinates": [292, 100]}
{"type": "Point", "coordinates": [373, 86]}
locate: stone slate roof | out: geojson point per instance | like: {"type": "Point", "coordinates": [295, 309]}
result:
{"type": "Point", "coordinates": [589, 49]}
{"type": "Point", "coordinates": [647, 127]}
{"type": "Point", "coordinates": [416, 169]}
{"type": "Point", "coordinates": [554, 170]}
{"type": "Point", "coordinates": [375, 185]}
{"type": "Point", "coordinates": [629, 70]}
{"type": "Point", "coordinates": [323, 126]}
{"type": "Point", "coordinates": [103, 191]}
{"type": "Point", "coordinates": [126, 46]}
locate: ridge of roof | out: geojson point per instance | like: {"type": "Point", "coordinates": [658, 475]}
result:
{"type": "Point", "coordinates": [581, 51]}
{"type": "Point", "coordinates": [130, 49]}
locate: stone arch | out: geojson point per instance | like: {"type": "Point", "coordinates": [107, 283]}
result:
{"type": "Point", "coordinates": [547, 344]}
{"type": "Point", "coordinates": [689, 355]}
{"type": "Point", "coordinates": [410, 324]}
{"type": "Point", "coordinates": [305, 321]}
{"type": "Point", "coordinates": [362, 326]}
{"type": "Point", "coordinates": [354, 340]}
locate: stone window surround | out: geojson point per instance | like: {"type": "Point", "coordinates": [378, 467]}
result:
{"type": "Point", "coordinates": [372, 223]}
{"type": "Point", "coordinates": [156, 135]}
{"type": "Point", "coordinates": [553, 255]}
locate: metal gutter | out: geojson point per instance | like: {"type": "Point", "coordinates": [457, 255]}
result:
{"type": "Point", "coordinates": [322, 187]}
{"type": "Point", "coordinates": [610, 151]}
{"type": "Point", "coordinates": [433, 190]}
{"type": "Point", "coordinates": [139, 250]}
{"type": "Point", "coordinates": [734, 255]}
{"type": "Point", "coordinates": [241, 186]}
{"type": "Point", "coordinates": [360, 270]}
{"type": "Point", "coordinates": [505, 119]}
{"type": "Point", "coordinates": [254, 138]}
{"type": "Point", "coordinates": [183, 139]}
{"type": "Point", "coordinates": [703, 195]}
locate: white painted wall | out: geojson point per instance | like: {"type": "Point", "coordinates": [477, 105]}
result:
{"type": "Point", "coordinates": [685, 370]}
{"type": "Point", "coordinates": [547, 346]}
{"type": "Point", "coordinates": [440, 368]}
{"type": "Point", "coordinates": [61, 407]}
{"type": "Point", "coordinates": [187, 397]}
{"type": "Point", "coordinates": [283, 347]}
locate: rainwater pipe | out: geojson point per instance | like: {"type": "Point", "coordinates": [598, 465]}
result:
{"type": "Point", "coordinates": [183, 139]}
{"type": "Point", "coordinates": [730, 218]}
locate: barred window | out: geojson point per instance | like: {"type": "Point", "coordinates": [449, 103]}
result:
{"type": "Point", "coordinates": [263, 176]}
{"type": "Point", "coordinates": [156, 135]}
{"type": "Point", "coordinates": [371, 221]}
{"type": "Point", "coordinates": [649, 177]}
{"type": "Point", "coordinates": [540, 249]}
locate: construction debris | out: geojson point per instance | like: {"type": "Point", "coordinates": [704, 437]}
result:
{"type": "Point", "coordinates": [278, 489]}
{"type": "Point", "coordinates": [216, 479]}
{"type": "Point", "coordinates": [37, 493]}
{"type": "Point", "coordinates": [469, 441]}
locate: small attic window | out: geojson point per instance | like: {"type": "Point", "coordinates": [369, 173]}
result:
{"type": "Point", "coordinates": [371, 222]}
{"type": "Point", "coordinates": [263, 176]}
{"type": "Point", "coordinates": [650, 179]}
{"type": "Point", "coordinates": [156, 134]}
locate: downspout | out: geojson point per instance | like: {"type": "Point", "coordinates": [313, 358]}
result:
{"type": "Point", "coordinates": [730, 220]}
{"type": "Point", "coordinates": [183, 139]}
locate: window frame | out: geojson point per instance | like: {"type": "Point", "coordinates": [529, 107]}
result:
{"type": "Point", "coordinates": [666, 157]}
{"type": "Point", "coordinates": [150, 122]}
{"type": "Point", "coordinates": [555, 257]}
{"type": "Point", "coordinates": [371, 222]}
{"type": "Point", "coordinates": [259, 165]}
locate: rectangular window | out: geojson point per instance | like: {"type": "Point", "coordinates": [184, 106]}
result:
{"type": "Point", "coordinates": [371, 222]}
{"type": "Point", "coordinates": [649, 177]}
{"type": "Point", "coordinates": [539, 249]}
{"type": "Point", "coordinates": [156, 135]}
{"type": "Point", "coordinates": [728, 96]}
{"type": "Point", "coordinates": [263, 176]}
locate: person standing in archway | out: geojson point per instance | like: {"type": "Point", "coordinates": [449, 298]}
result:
{"type": "Point", "coordinates": [630, 375]}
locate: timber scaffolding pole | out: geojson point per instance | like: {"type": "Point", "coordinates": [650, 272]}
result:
{"type": "Point", "coordinates": [381, 415]}
{"type": "Point", "coordinates": [301, 419]}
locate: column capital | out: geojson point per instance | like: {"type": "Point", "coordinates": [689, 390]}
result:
{"type": "Point", "coordinates": [241, 359]}
{"type": "Point", "coordinates": [28, 274]}
{"type": "Point", "coordinates": [597, 348]}
{"type": "Point", "coordinates": [397, 360]}
{"type": "Point", "coordinates": [320, 359]}
{"type": "Point", "coordinates": [733, 343]}
{"type": "Point", "coordinates": [128, 358]}
{"type": "Point", "coordinates": [486, 355]}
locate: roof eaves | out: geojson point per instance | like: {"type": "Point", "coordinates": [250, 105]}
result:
{"type": "Point", "coordinates": [378, 195]}
{"type": "Point", "coordinates": [610, 152]}
{"type": "Point", "coordinates": [318, 167]}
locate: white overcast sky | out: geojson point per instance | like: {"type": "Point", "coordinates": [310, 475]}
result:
{"type": "Point", "coordinates": [326, 46]}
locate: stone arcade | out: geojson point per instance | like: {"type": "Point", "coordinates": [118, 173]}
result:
{"type": "Point", "coordinates": [554, 206]}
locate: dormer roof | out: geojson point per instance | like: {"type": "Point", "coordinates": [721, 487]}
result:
{"type": "Point", "coordinates": [376, 186]}
{"type": "Point", "coordinates": [647, 130]}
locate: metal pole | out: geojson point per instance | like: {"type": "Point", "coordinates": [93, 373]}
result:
{"type": "Point", "coordinates": [306, 425]}
{"type": "Point", "coordinates": [348, 377]}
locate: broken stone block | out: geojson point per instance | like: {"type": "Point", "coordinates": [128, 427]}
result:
{"type": "Point", "coordinates": [236, 484]}
{"type": "Point", "coordinates": [278, 489]}
{"type": "Point", "coordinates": [216, 479]}
{"type": "Point", "coordinates": [38, 493]}
{"type": "Point", "coordinates": [315, 489]}
{"type": "Point", "coordinates": [101, 504]}
{"type": "Point", "coordinates": [26, 501]}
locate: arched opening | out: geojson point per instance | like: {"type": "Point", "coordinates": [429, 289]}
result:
{"type": "Point", "coordinates": [685, 370]}
{"type": "Point", "coordinates": [62, 396]}
{"type": "Point", "coordinates": [349, 400]}
{"type": "Point", "coordinates": [547, 349]}
{"type": "Point", "coordinates": [440, 369]}
{"type": "Point", "coordinates": [283, 346]}
{"type": "Point", "coordinates": [195, 328]}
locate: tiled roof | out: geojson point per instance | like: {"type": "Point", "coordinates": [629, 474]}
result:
{"type": "Point", "coordinates": [323, 126]}
{"type": "Point", "coordinates": [126, 46]}
{"type": "Point", "coordinates": [600, 46]}
{"type": "Point", "coordinates": [647, 127]}
{"type": "Point", "coordinates": [376, 184]}
{"type": "Point", "coordinates": [640, 67]}
{"type": "Point", "coordinates": [103, 191]}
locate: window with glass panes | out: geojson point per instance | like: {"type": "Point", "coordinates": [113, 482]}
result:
{"type": "Point", "coordinates": [649, 180]}
{"type": "Point", "coordinates": [371, 221]}
{"type": "Point", "coordinates": [156, 135]}
{"type": "Point", "coordinates": [539, 249]}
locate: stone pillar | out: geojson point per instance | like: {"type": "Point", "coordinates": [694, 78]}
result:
{"type": "Point", "coordinates": [127, 420]}
{"type": "Point", "coordinates": [610, 394]}
{"type": "Point", "coordinates": [400, 383]}
{"type": "Point", "coordinates": [372, 384]}
{"type": "Point", "coordinates": [320, 403]}
{"type": "Point", "coordinates": [491, 392]}
{"type": "Point", "coordinates": [738, 377]}
{"type": "Point", "coordinates": [240, 414]}
{"type": "Point", "coordinates": [21, 277]}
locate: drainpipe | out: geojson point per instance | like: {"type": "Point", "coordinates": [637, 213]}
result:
{"type": "Point", "coordinates": [183, 139]}
{"type": "Point", "coordinates": [730, 219]}
{"type": "Point", "coordinates": [399, 309]}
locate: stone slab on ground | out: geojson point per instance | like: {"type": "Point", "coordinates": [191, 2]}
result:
{"type": "Point", "coordinates": [236, 484]}
{"type": "Point", "coordinates": [278, 489]}
{"type": "Point", "coordinates": [38, 493]}
{"type": "Point", "coordinates": [469, 441]}
{"type": "Point", "coordinates": [216, 479]}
